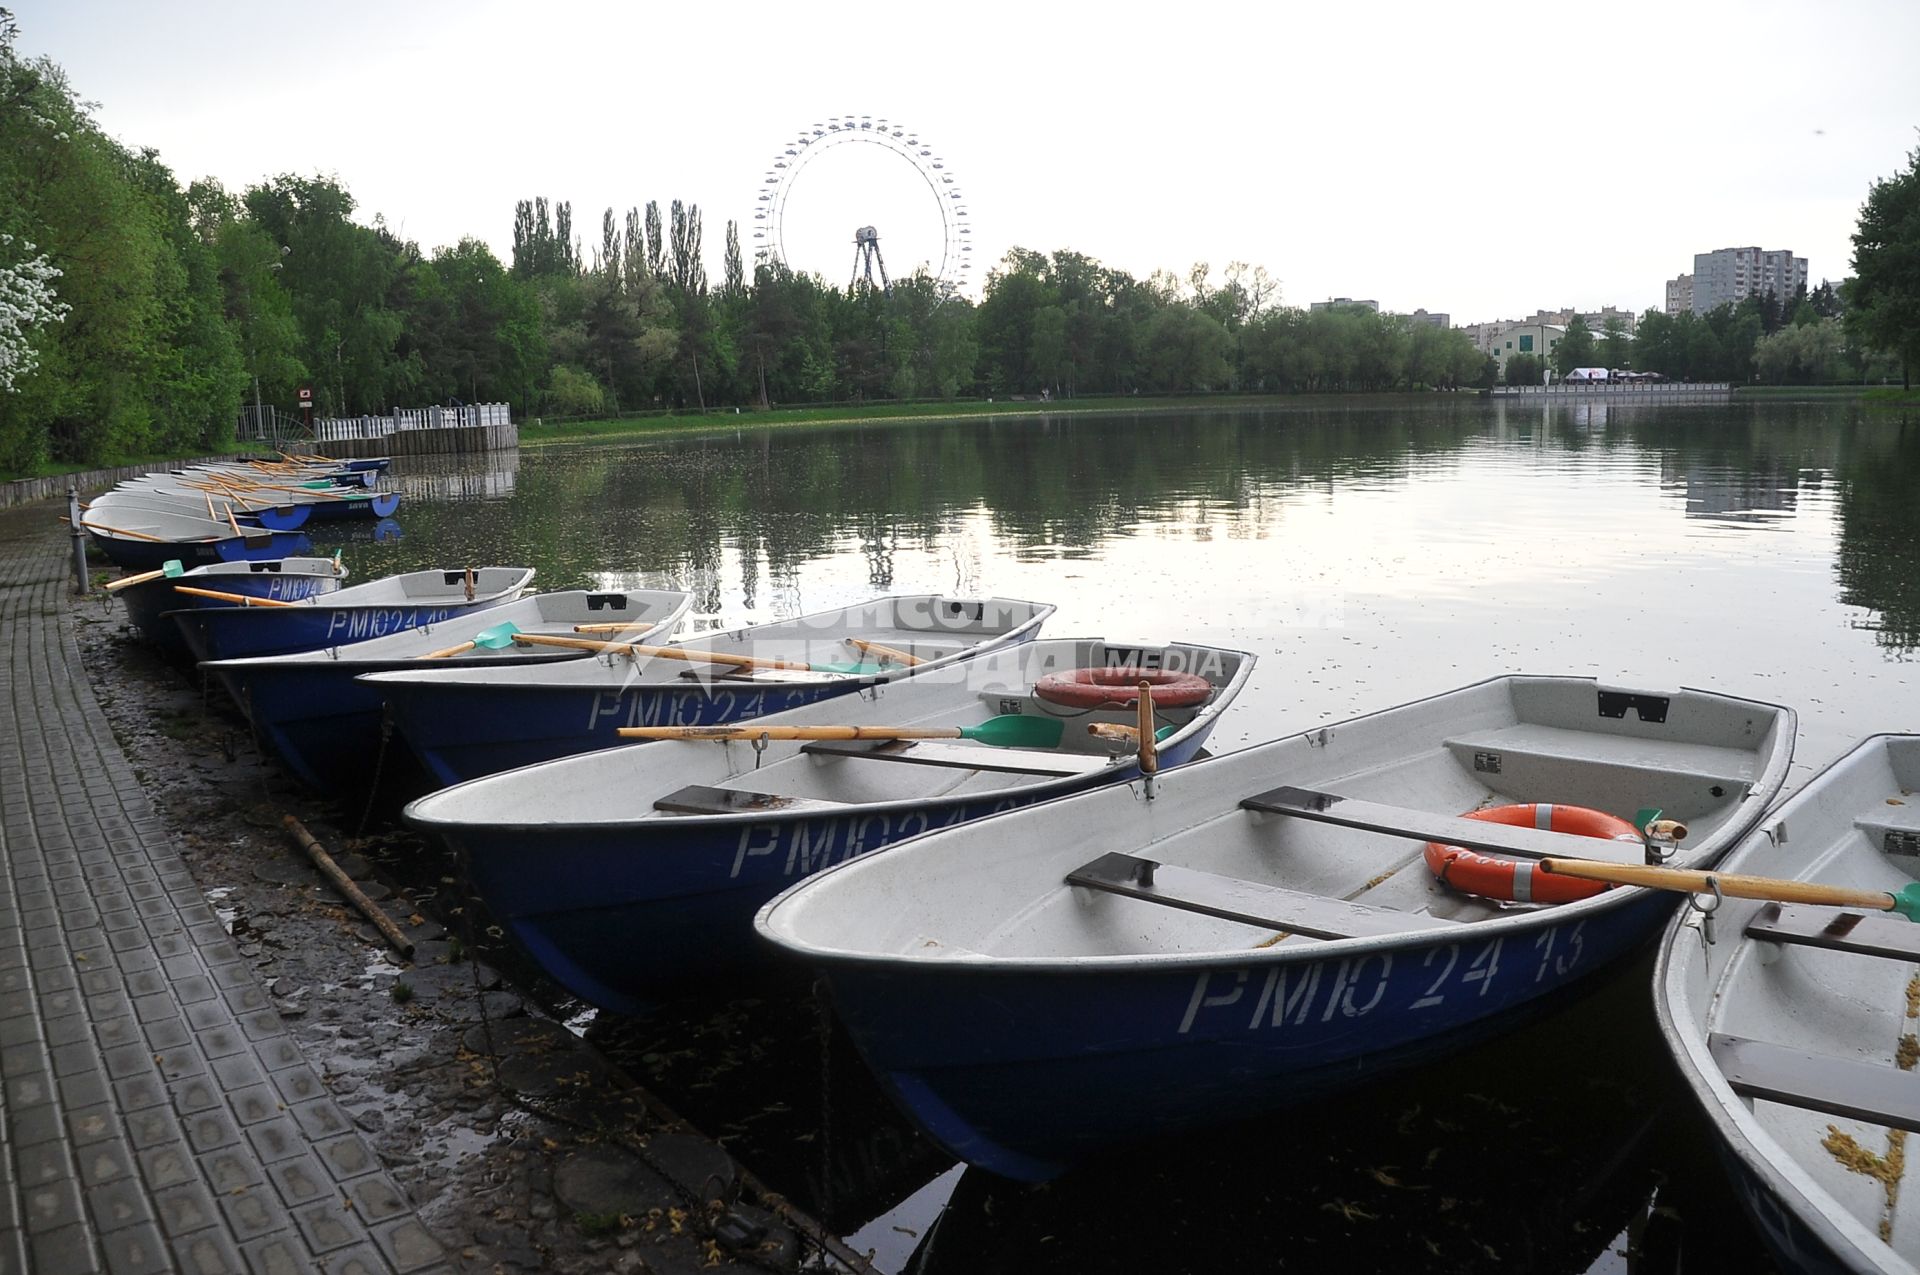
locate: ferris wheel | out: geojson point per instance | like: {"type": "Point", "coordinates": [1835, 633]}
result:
{"type": "Point", "coordinates": [955, 260]}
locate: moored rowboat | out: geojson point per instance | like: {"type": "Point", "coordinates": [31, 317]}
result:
{"type": "Point", "coordinates": [326, 726]}
{"type": "Point", "coordinates": [279, 580]}
{"type": "Point", "coordinates": [370, 610]}
{"type": "Point", "coordinates": [1039, 984]}
{"type": "Point", "coordinates": [1794, 1024]}
{"type": "Point", "coordinates": [467, 723]}
{"type": "Point", "coordinates": [630, 873]}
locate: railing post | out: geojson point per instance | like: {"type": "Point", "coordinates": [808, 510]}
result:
{"type": "Point", "coordinates": [79, 534]}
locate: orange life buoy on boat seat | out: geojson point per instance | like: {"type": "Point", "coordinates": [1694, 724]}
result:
{"type": "Point", "coordinates": [1521, 881]}
{"type": "Point", "coordinates": [1120, 685]}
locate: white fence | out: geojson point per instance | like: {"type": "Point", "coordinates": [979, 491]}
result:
{"type": "Point", "coordinates": [334, 429]}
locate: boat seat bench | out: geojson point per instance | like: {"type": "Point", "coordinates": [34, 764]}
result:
{"type": "Point", "coordinates": [1837, 930]}
{"type": "Point", "coordinates": [1703, 764]}
{"type": "Point", "coordinates": [938, 752]}
{"type": "Point", "coordinates": [1423, 825]}
{"type": "Point", "coordinates": [699, 799]}
{"type": "Point", "coordinates": [1248, 902]}
{"type": "Point", "coordinates": [1878, 1094]}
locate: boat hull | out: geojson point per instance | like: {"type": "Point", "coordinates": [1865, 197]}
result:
{"type": "Point", "coordinates": [379, 504]}
{"type": "Point", "coordinates": [624, 915]}
{"type": "Point", "coordinates": [150, 555]}
{"type": "Point", "coordinates": [461, 733]}
{"type": "Point", "coordinates": [214, 633]}
{"type": "Point", "coordinates": [148, 604]}
{"type": "Point", "coordinates": [1005, 1077]}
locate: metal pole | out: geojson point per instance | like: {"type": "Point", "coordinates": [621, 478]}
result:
{"type": "Point", "coordinates": [79, 540]}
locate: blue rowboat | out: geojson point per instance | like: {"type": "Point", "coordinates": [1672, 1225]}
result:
{"type": "Point", "coordinates": [362, 504]}
{"type": "Point", "coordinates": [364, 611]}
{"type": "Point", "coordinates": [280, 580]}
{"type": "Point", "coordinates": [1792, 1024]}
{"type": "Point", "coordinates": [326, 726]}
{"type": "Point", "coordinates": [135, 498]}
{"type": "Point", "coordinates": [1038, 985]}
{"type": "Point", "coordinates": [463, 724]}
{"type": "Point", "coordinates": [147, 539]}
{"type": "Point", "coordinates": [631, 873]}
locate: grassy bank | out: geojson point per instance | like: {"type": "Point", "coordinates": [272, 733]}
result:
{"type": "Point", "coordinates": [53, 469]}
{"type": "Point", "coordinates": [675, 423]}
{"type": "Point", "coordinates": [1888, 396]}
{"type": "Point", "coordinates": [1803, 391]}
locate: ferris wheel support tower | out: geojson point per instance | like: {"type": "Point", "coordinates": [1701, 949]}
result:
{"type": "Point", "coordinates": [866, 252]}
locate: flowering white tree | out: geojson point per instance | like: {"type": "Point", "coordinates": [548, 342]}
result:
{"type": "Point", "coordinates": [27, 302]}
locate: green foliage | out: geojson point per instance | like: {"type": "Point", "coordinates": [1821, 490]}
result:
{"type": "Point", "coordinates": [1525, 369]}
{"type": "Point", "coordinates": [1805, 354]}
{"type": "Point", "coordinates": [1883, 303]}
{"type": "Point", "coordinates": [1576, 348]}
{"type": "Point", "coordinates": [572, 392]}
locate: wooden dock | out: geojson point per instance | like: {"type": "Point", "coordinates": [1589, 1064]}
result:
{"type": "Point", "coordinates": [426, 431]}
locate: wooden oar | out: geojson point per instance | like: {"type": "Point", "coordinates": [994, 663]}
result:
{"type": "Point", "coordinates": [1117, 733]}
{"type": "Point", "coordinates": [1773, 889]}
{"type": "Point", "coordinates": [885, 652]}
{"type": "Point", "coordinates": [234, 523]}
{"type": "Point", "coordinates": [89, 525]}
{"type": "Point", "coordinates": [661, 652]}
{"type": "Point", "coordinates": [170, 569]}
{"type": "Point", "coordinates": [680, 653]}
{"type": "Point", "coordinates": [245, 600]}
{"type": "Point", "coordinates": [1149, 752]}
{"type": "Point", "coordinates": [1010, 731]}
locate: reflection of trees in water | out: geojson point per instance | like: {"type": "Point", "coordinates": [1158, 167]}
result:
{"type": "Point", "coordinates": [1052, 486]}
{"type": "Point", "coordinates": [1878, 559]}
{"type": "Point", "coordinates": [1058, 487]}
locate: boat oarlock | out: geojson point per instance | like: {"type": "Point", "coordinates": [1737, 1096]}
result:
{"type": "Point", "coordinates": [1517, 882]}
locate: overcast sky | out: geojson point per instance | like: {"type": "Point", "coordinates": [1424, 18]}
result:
{"type": "Point", "coordinates": [1480, 159]}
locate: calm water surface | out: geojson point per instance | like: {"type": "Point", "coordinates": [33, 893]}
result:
{"type": "Point", "coordinates": [1369, 555]}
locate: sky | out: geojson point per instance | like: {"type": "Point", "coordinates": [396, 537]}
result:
{"type": "Point", "coordinates": [1482, 160]}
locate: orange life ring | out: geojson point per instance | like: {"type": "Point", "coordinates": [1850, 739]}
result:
{"type": "Point", "coordinates": [1120, 685]}
{"type": "Point", "coordinates": [1524, 882]}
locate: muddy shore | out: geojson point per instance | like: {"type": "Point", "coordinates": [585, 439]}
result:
{"type": "Point", "coordinates": [521, 1147]}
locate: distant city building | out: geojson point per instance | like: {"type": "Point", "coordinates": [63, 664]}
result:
{"type": "Point", "coordinates": [1523, 338]}
{"type": "Point", "coordinates": [1680, 295]}
{"type": "Point", "coordinates": [1343, 303]}
{"type": "Point", "coordinates": [1540, 333]}
{"type": "Point", "coordinates": [1728, 276]}
{"type": "Point", "coordinates": [1440, 320]}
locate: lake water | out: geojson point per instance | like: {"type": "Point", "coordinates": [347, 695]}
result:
{"type": "Point", "coordinates": [1369, 554]}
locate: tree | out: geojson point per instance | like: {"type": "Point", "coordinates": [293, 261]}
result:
{"type": "Point", "coordinates": [1883, 305]}
{"type": "Point", "coordinates": [1524, 369]}
{"type": "Point", "coordinates": [1616, 347]}
{"type": "Point", "coordinates": [1576, 347]}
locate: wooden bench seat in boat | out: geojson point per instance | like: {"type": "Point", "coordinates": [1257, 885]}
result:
{"type": "Point", "coordinates": [1879, 1094]}
{"type": "Point", "coordinates": [1270, 907]}
{"type": "Point", "coordinates": [699, 799]}
{"type": "Point", "coordinates": [939, 752]}
{"type": "Point", "coordinates": [1500, 750]}
{"type": "Point", "coordinates": [1837, 930]}
{"type": "Point", "coordinates": [1424, 825]}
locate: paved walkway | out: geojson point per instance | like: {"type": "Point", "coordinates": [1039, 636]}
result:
{"type": "Point", "coordinates": [157, 1115]}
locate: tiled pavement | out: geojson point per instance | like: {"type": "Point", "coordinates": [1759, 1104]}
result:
{"type": "Point", "coordinates": [155, 1116]}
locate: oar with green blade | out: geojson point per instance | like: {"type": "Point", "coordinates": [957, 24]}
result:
{"type": "Point", "coordinates": [171, 569]}
{"type": "Point", "coordinates": [1774, 889]}
{"type": "Point", "coordinates": [1011, 731]}
{"type": "Point", "coordinates": [497, 638]}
